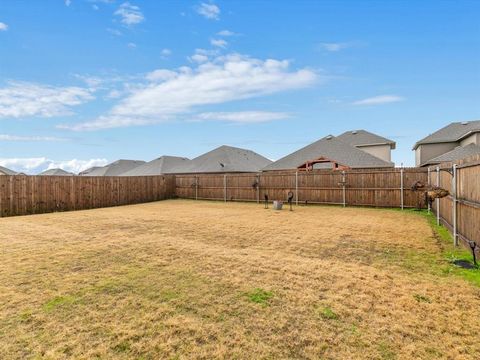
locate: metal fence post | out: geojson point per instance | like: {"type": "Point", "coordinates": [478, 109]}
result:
{"type": "Point", "coordinates": [454, 200]}
{"type": "Point", "coordinates": [225, 188]}
{"type": "Point", "coordinates": [258, 189]}
{"type": "Point", "coordinates": [428, 183]}
{"type": "Point", "coordinates": [196, 187]}
{"type": "Point", "coordinates": [437, 201]}
{"type": "Point", "coordinates": [296, 188]}
{"type": "Point", "coordinates": [343, 188]}
{"type": "Point", "coordinates": [401, 188]}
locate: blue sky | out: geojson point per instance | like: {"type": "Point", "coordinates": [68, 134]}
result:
{"type": "Point", "coordinates": [86, 82]}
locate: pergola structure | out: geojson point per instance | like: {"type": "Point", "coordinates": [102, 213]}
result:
{"type": "Point", "coordinates": [308, 166]}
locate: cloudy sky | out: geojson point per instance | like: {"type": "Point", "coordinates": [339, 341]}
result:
{"type": "Point", "coordinates": [86, 82]}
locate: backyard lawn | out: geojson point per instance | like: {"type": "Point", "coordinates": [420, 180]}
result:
{"type": "Point", "coordinates": [192, 279]}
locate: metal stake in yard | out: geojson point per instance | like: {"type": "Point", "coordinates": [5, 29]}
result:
{"type": "Point", "coordinates": [437, 201]}
{"type": "Point", "coordinates": [401, 187]}
{"type": "Point", "coordinates": [196, 187]}
{"type": "Point", "coordinates": [225, 188]}
{"type": "Point", "coordinates": [428, 183]}
{"type": "Point", "coordinates": [296, 188]}
{"type": "Point", "coordinates": [454, 201]}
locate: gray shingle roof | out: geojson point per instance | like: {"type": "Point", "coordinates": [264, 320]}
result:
{"type": "Point", "coordinates": [459, 153]}
{"type": "Point", "coordinates": [114, 169]}
{"type": "Point", "coordinates": [363, 138]}
{"type": "Point", "coordinates": [227, 159]}
{"type": "Point", "coordinates": [5, 171]}
{"type": "Point", "coordinates": [333, 149]}
{"type": "Point", "coordinates": [451, 133]}
{"type": "Point", "coordinates": [162, 165]}
{"type": "Point", "coordinates": [56, 172]}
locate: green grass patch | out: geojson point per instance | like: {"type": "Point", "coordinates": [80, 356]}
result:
{"type": "Point", "coordinates": [450, 253]}
{"type": "Point", "coordinates": [59, 301]}
{"type": "Point", "coordinates": [260, 296]}
{"type": "Point", "coordinates": [422, 298]}
{"type": "Point", "coordinates": [327, 313]}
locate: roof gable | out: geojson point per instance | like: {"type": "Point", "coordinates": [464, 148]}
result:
{"type": "Point", "coordinates": [162, 165]}
{"type": "Point", "coordinates": [332, 148]}
{"type": "Point", "coordinates": [6, 171]}
{"type": "Point", "coordinates": [227, 159]}
{"type": "Point", "coordinates": [451, 133]}
{"type": "Point", "coordinates": [364, 138]}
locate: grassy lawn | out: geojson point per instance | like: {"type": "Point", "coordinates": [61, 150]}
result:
{"type": "Point", "coordinates": [183, 279]}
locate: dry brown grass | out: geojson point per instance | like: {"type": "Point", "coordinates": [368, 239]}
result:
{"type": "Point", "coordinates": [184, 279]}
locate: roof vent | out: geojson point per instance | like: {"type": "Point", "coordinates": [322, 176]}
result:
{"type": "Point", "coordinates": [354, 132]}
{"type": "Point", "coordinates": [464, 122]}
{"type": "Point", "coordinates": [329, 137]}
{"type": "Point", "coordinates": [222, 165]}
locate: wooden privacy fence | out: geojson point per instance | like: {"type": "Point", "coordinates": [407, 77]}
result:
{"type": "Point", "coordinates": [22, 195]}
{"type": "Point", "coordinates": [385, 187]}
{"type": "Point", "coordinates": [460, 211]}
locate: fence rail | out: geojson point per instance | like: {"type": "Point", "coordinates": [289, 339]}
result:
{"type": "Point", "coordinates": [385, 188]}
{"type": "Point", "coordinates": [23, 195]}
{"type": "Point", "coordinates": [460, 211]}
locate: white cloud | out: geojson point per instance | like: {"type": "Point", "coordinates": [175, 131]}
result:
{"type": "Point", "coordinates": [39, 164]}
{"type": "Point", "coordinates": [334, 47]}
{"type": "Point", "coordinates": [68, 2]}
{"type": "Point", "coordinates": [219, 43]}
{"type": "Point", "coordinates": [22, 99]}
{"type": "Point", "coordinates": [130, 14]}
{"type": "Point", "coordinates": [6, 137]}
{"type": "Point", "coordinates": [132, 45]}
{"type": "Point", "coordinates": [244, 117]}
{"type": "Point", "coordinates": [114, 32]}
{"type": "Point", "coordinates": [161, 75]}
{"type": "Point", "coordinates": [378, 100]}
{"type": "Point", "coordinates": [226, 33]}
{"type": "Point", "coordinates": [3, 26]}
{"type": "Point", "coordinates": [165, 53]}
{"type": "Point", "coordinates": [209, 11]}
{"type": "Point", "coordinates": [172, 94]}
{"type": "Point", "coordinates": [95, 7]}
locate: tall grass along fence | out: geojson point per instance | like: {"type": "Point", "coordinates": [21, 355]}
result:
{"type": "Point", "coordinates": [22, 195]}
{"type": "Point", "coordinates": [460, 211]}
{"type": "Point", "coordinates": [385, 187]}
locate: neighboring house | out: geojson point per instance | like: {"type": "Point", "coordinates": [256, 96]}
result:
{"type": "Point", "coordinates": [56, 172]}
{"type": "Point", "coordinates": [162, 165]}
{"type": "Point", "coordinates": [328, 153]}
{"type": "Point", "coordinates": [445, 140]}
{"type": "Point", "coordinates": [460, 152]}
{"type": "Point", "coordinates": [114, 169]}
{"type": "Point", "coordinates": [5, 171]}
{"type": "Point", "coordinates": [371, 143]}
{"type": "Point", "coordinates": [226, 159]}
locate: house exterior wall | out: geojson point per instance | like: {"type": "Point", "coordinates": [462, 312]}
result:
{"type": "Point", "coordinates": [472, 139]}
{"type": "Point", "coordinates": [381, 151]}
{"type": "Point", "coordinates": [426, 152]}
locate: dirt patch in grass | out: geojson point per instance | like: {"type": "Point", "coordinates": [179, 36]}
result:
{"type": "Point", "coordinates": [185, 279]}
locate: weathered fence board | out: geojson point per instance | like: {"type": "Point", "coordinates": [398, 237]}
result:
{"type": "Point", "coordinates": [23, 195]}
{"type": "Point", "coordinates": [460, 211]}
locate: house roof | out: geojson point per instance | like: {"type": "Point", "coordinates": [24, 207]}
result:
{"type": "Point", "coordinates": [459, 153]}
{"type": "Point", "coordinates": [227, 159]}
{"type": "Point", "coordinates": [114, 169]}
{"type": "Point", "coordinates": [5, 171]}
{"type": "Point", "coordinates": [163, 165]}
{"type": "Point", "coordinates": [56, 172]}
{"type": "Point", "coordinates": [451, 133]}
{"type": "Point", "coordinates": [332, 148]}
{"type": "Point", "coordinates": [364, 138]}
